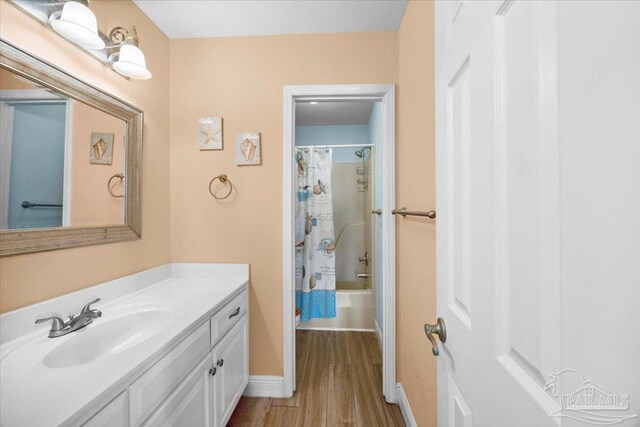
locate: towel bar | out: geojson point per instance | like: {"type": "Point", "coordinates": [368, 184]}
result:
{"type": "Point", "coordinates": [404, 212]}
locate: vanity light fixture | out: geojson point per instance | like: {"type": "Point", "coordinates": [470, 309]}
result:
{"type": "Point", "coordinates": [129, 60]}
{"type": "Point", "coordinates": [77, 23]}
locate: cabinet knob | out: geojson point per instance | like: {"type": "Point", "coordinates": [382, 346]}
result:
{"type": "Point", "coordinates": [220, 362]}
{"type": "Point", "coordinates": [212, 371]}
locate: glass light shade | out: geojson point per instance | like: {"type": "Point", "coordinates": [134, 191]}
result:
{"type": "Point", "coordinates": [78, 24]}
{"type": "Point", "coordinates": [131, 63]}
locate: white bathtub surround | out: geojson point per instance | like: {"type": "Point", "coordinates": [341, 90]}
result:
{"type": "Point", "coordinates": [355, 312]}
{"type": "Point", "coordinates": [352, 218]}
{"type": "Point", "coordinates": [350, 246]}
{"type": "Point", "coordinates": [43, 381]}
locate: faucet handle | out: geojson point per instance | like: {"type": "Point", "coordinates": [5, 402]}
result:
{"type": "Point", "coordinates": [57, 325]}
{"type": "Point", "coordinates": [87, 308]}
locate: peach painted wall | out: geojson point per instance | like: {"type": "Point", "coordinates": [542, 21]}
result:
{"type": "Point", "coordinates": [242, 79]}
{"type": "Point", "coordinates": [27, 279]}
{"type": "Point", "coordinates": [11, 81]}
{"type": "Point", "coordinates": [91, 203]}
{"type": "Point", "coordinates": [415, 186]}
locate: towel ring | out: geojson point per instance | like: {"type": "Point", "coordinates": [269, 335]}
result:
{"type": "Point", "coordinates": [118, 175]}
{"type": "Point", "coordinates": [223, 179]}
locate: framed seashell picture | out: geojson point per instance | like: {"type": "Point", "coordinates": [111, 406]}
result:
{"type": "Point", "coordinates": [101, 148]}
{"type": "Point", "coordinates": [210, 133]}
{"type": "Point", "coordinates": [248, 148]}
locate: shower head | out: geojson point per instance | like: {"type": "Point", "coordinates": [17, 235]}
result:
{"type": "Point", "coordinates": [360, 153]}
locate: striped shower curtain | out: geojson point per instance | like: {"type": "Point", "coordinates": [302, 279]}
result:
{"type": "Point", "coordinates": [315, 238]}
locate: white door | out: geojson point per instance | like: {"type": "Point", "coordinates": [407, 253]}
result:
{"type": "Point", "coordinates": [538, 197]}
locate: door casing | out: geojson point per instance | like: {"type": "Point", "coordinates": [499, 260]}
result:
{"type": "Point", "coordinates": [385, 93]}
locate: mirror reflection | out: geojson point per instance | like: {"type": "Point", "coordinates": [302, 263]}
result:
{"type": "Point", "coordinates": [62, 162]}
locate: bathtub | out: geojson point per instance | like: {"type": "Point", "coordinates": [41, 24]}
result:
{"type": "Point", "coordinates": [355, 312]}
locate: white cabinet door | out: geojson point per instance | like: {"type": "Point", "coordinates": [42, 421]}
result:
{"type": "Point", "coordinates": [191, 403]}
{"type": "Point", "coordinates": [538, 230]}
{"type": "Point", "coordinates": [148, 391]}
{"type": "Point", "coordinates": [231, 359]}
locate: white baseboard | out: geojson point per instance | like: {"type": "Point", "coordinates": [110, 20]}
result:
{"type": "Point", "coordinates": [265, 386]}
{"type": "Point", "coordinates": [379, 334]}
{"type": "Point", "coordinates": [405, 408]}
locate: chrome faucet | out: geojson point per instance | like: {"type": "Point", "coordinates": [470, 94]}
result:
{"type": "Point", "coordinates": [59, 327]}
{"type": "Point", "coordinates": [365, 276]}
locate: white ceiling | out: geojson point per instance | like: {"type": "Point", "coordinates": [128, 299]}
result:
{"type": "Point", "coordinates": [181, 19]}
{"type": "Point", "coordinates": [333, 113]}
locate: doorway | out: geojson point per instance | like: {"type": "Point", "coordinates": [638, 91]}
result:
{"type": "Point", "coordinates": [35, 173]}
{"type": "Point", "coordinates": [383, 96]}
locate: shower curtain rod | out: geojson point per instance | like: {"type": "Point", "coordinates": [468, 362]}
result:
{"type": "Point", "coordinates": [336, 146]}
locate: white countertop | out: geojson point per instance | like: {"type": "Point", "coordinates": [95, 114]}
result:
{"type": "Point", "coordinates": [32, 394]}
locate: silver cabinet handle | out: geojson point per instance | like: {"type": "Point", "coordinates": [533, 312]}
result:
{"type": "Point", "coordinates": [212, 371]}
{"type": "Point", "coordinates": [377, 212]}
{"type": "Point", "coordinates": [438, 329]}
{"type": "Point", "coordinates": [220, 362]}
{"type": "Point", "coordinates": [235, 313]}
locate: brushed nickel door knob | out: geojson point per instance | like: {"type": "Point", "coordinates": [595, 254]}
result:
{"type": "Point", "coordinates": [439, 329]}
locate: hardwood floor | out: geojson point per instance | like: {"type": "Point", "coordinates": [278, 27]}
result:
{"type": "Point", "coordinates": [339, 378]}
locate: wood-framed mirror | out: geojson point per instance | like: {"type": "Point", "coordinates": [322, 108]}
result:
{"type": "Point", "coordinates": [70, 159]}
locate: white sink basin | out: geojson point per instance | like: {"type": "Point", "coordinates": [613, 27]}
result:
{"type": "Point", "coordinates": [107, 336]}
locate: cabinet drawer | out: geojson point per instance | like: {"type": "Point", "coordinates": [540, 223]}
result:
{"type": "Point", "coordinates": [113, 415]}
{"type": "Point", "coordinates": [146, 393]}
{"type": "Point", "coordinates": [228, 316]}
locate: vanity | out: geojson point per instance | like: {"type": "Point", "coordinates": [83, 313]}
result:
{"type": "Point", "coordinates": [170, 348]}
